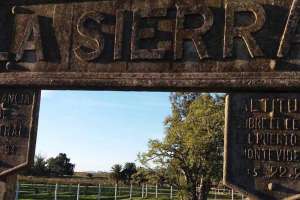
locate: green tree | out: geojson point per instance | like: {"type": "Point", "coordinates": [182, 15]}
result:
{"type": "Point", "coordinates": [60, 166]}
{"type": "Point", "coordinates": [128, 170]}
{"type": "Point", "coordinates": [157, 176]}
{"type": "Point", "coordinates": [117, 173]}
{"type": "Point", "coordinates": [181, 101]}
{"type": "Point", "coordinates": [39, 167]}
{"type": "Point", "coordinates": [141, 176]}
{"type": "Point", "coordinates": [193, 145]}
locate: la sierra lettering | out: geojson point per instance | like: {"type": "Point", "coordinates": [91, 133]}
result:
{"type": "Point", "coordinates": [94, 40]}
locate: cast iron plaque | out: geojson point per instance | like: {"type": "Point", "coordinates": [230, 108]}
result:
{"type": "Point", "coordinates": [216, 45]}
{"type": "Point", "coordinates": [262, 144]}
{"type": "Point", "coordinates": [18, 128]}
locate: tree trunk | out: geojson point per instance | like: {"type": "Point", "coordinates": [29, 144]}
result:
{"type": "Point", "coordinates": [204, 189]}
{"type": "Point", "coordinates": [191, 192]}
{"type": "Point", "coordinates": [194, 195]}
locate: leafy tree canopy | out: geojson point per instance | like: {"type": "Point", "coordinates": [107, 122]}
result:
{"type": "Point", "coordinates": [116, 173]}
{"type": "Point", "coordinates": [128, 170]}
{"type": "Point", "coordinates": [193, 144]}
{"type": "Point", "coordinates": [39, 167]}
{"type": "Point", "coordinates": [60, 166]}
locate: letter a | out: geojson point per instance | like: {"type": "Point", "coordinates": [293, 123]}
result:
{"type": "Point", "coordinates": [32, 28]}
{"type": "Point", "coordinates": [290, 30]}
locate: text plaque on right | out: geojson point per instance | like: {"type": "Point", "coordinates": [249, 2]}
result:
{"type": "Point", "coordinates": [262, 144]}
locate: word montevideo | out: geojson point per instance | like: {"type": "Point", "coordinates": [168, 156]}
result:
{"type": "Point", "coordinates": [160, 33]}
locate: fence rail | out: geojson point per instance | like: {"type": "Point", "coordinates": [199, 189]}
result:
{"type": "Point", "coordinates": [108, 192]}
{"type": "Point", "coordinates": [57, 192]}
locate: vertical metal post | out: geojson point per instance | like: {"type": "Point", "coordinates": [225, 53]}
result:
{"type": "Point", "coordinates": [116, 191]}
{"type": "Point", "coordinates": [232, 195]}
{"type": "Point", "coordinates": [215, 191]}
{"type": "Point", "coordinates": [143, 191]}
{"type": "Point", "coordinates": [7, 187]}
{"type": "Point", "coordinates": [146, 194]}
{"type": "Point", "coordinates": [171, 192]}
{"type": "Point", "coordinates": [17, 190]}
{"type": "Point", "coordinates": [130, 193]}
{"type": "Point", "coordinates": [55, 191]}
{"type": "Point", "coordinates": [78, 192]}
{"type": "Point", "coordinates": [99, 192]}
{"type": "Point", "coordinates": [156, 191]}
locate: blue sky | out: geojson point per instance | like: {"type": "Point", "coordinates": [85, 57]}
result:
{"type": "Point", "coordinates": [99, 129]}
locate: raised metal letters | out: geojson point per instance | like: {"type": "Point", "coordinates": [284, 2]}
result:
{"type": "Point", "coordinates": [145, 33]}
{"type": "Point", "coordinates": [262, 144]}
{"type": "Point", "coordinates": [289, 35]}
{"type": "Point", "coordinates": [181, 34]}
{"type": "Point", "coordinates": [157, 44]}
{"type": "Point", "coordinates": [32, 29]}
{"type": "Point", "coordinates": [97, 38]}
{"type": "Point", "coordinates": [232, 7]}
{"type": "Point", "coordinates": [119, 35]}
{"type": "Point", "coordinates": [18, 127]}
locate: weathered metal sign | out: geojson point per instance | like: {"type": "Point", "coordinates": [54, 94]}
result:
{"type": "Point", "coordinates": [151, 44]}
{"type": "Point", "coordinates": [262, 145]}
{"type": "Point", "coordinates": [18, 128]}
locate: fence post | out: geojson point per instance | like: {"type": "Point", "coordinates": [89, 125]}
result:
{"type": "Point", "coordinates": [232, 194]}
{"type": "Point", "coordinates": [78, 192]}
{"type": "Point", "coordinates": [17, 190]}
{"type": "Point", "coordinates": [215, 190]}
{"type": "Point", "coordinates": [130, 194]}
{"type": "Point", "coordinates": [55, 191]}
{"type": "Point", "coordinates": [116, 191]}
{"type": "Point", "coordinates": [142, 190]}
{"type": "Point", "coordinates": [146, 195]}
{"type": "Point", "coordinates": [242, 196]}
{"type": "Point", "coordinates": [156, 191]}
{"type": "Point", "coordinates": [171, 192]}
{"type": "Point", "coordinates": [99, 192]}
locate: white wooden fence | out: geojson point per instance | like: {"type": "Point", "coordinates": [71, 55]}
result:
{"type": "Point", "coordinates": [144, 191]}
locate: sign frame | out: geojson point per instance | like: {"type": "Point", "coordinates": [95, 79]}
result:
{"type": "Point", "coordinates": [230, 133]}
{"type": "Point", "coordinates": [226, 179]}
{"type": "Point", "coordinates": [32, 133]}
{"type": "Point", "coordinates": [216, 80]}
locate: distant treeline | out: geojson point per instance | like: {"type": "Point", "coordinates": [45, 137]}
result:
{"type": "Point", "coordinates": [52, 167]}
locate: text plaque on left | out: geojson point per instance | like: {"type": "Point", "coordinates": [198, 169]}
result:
{"type": "Point", "coordinates": [18, 128]}
{"type": "Point", "coordinates": [262, 144]}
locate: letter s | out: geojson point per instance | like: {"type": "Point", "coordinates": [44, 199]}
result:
{"type": "Point", "coordinates": [95, 40]}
